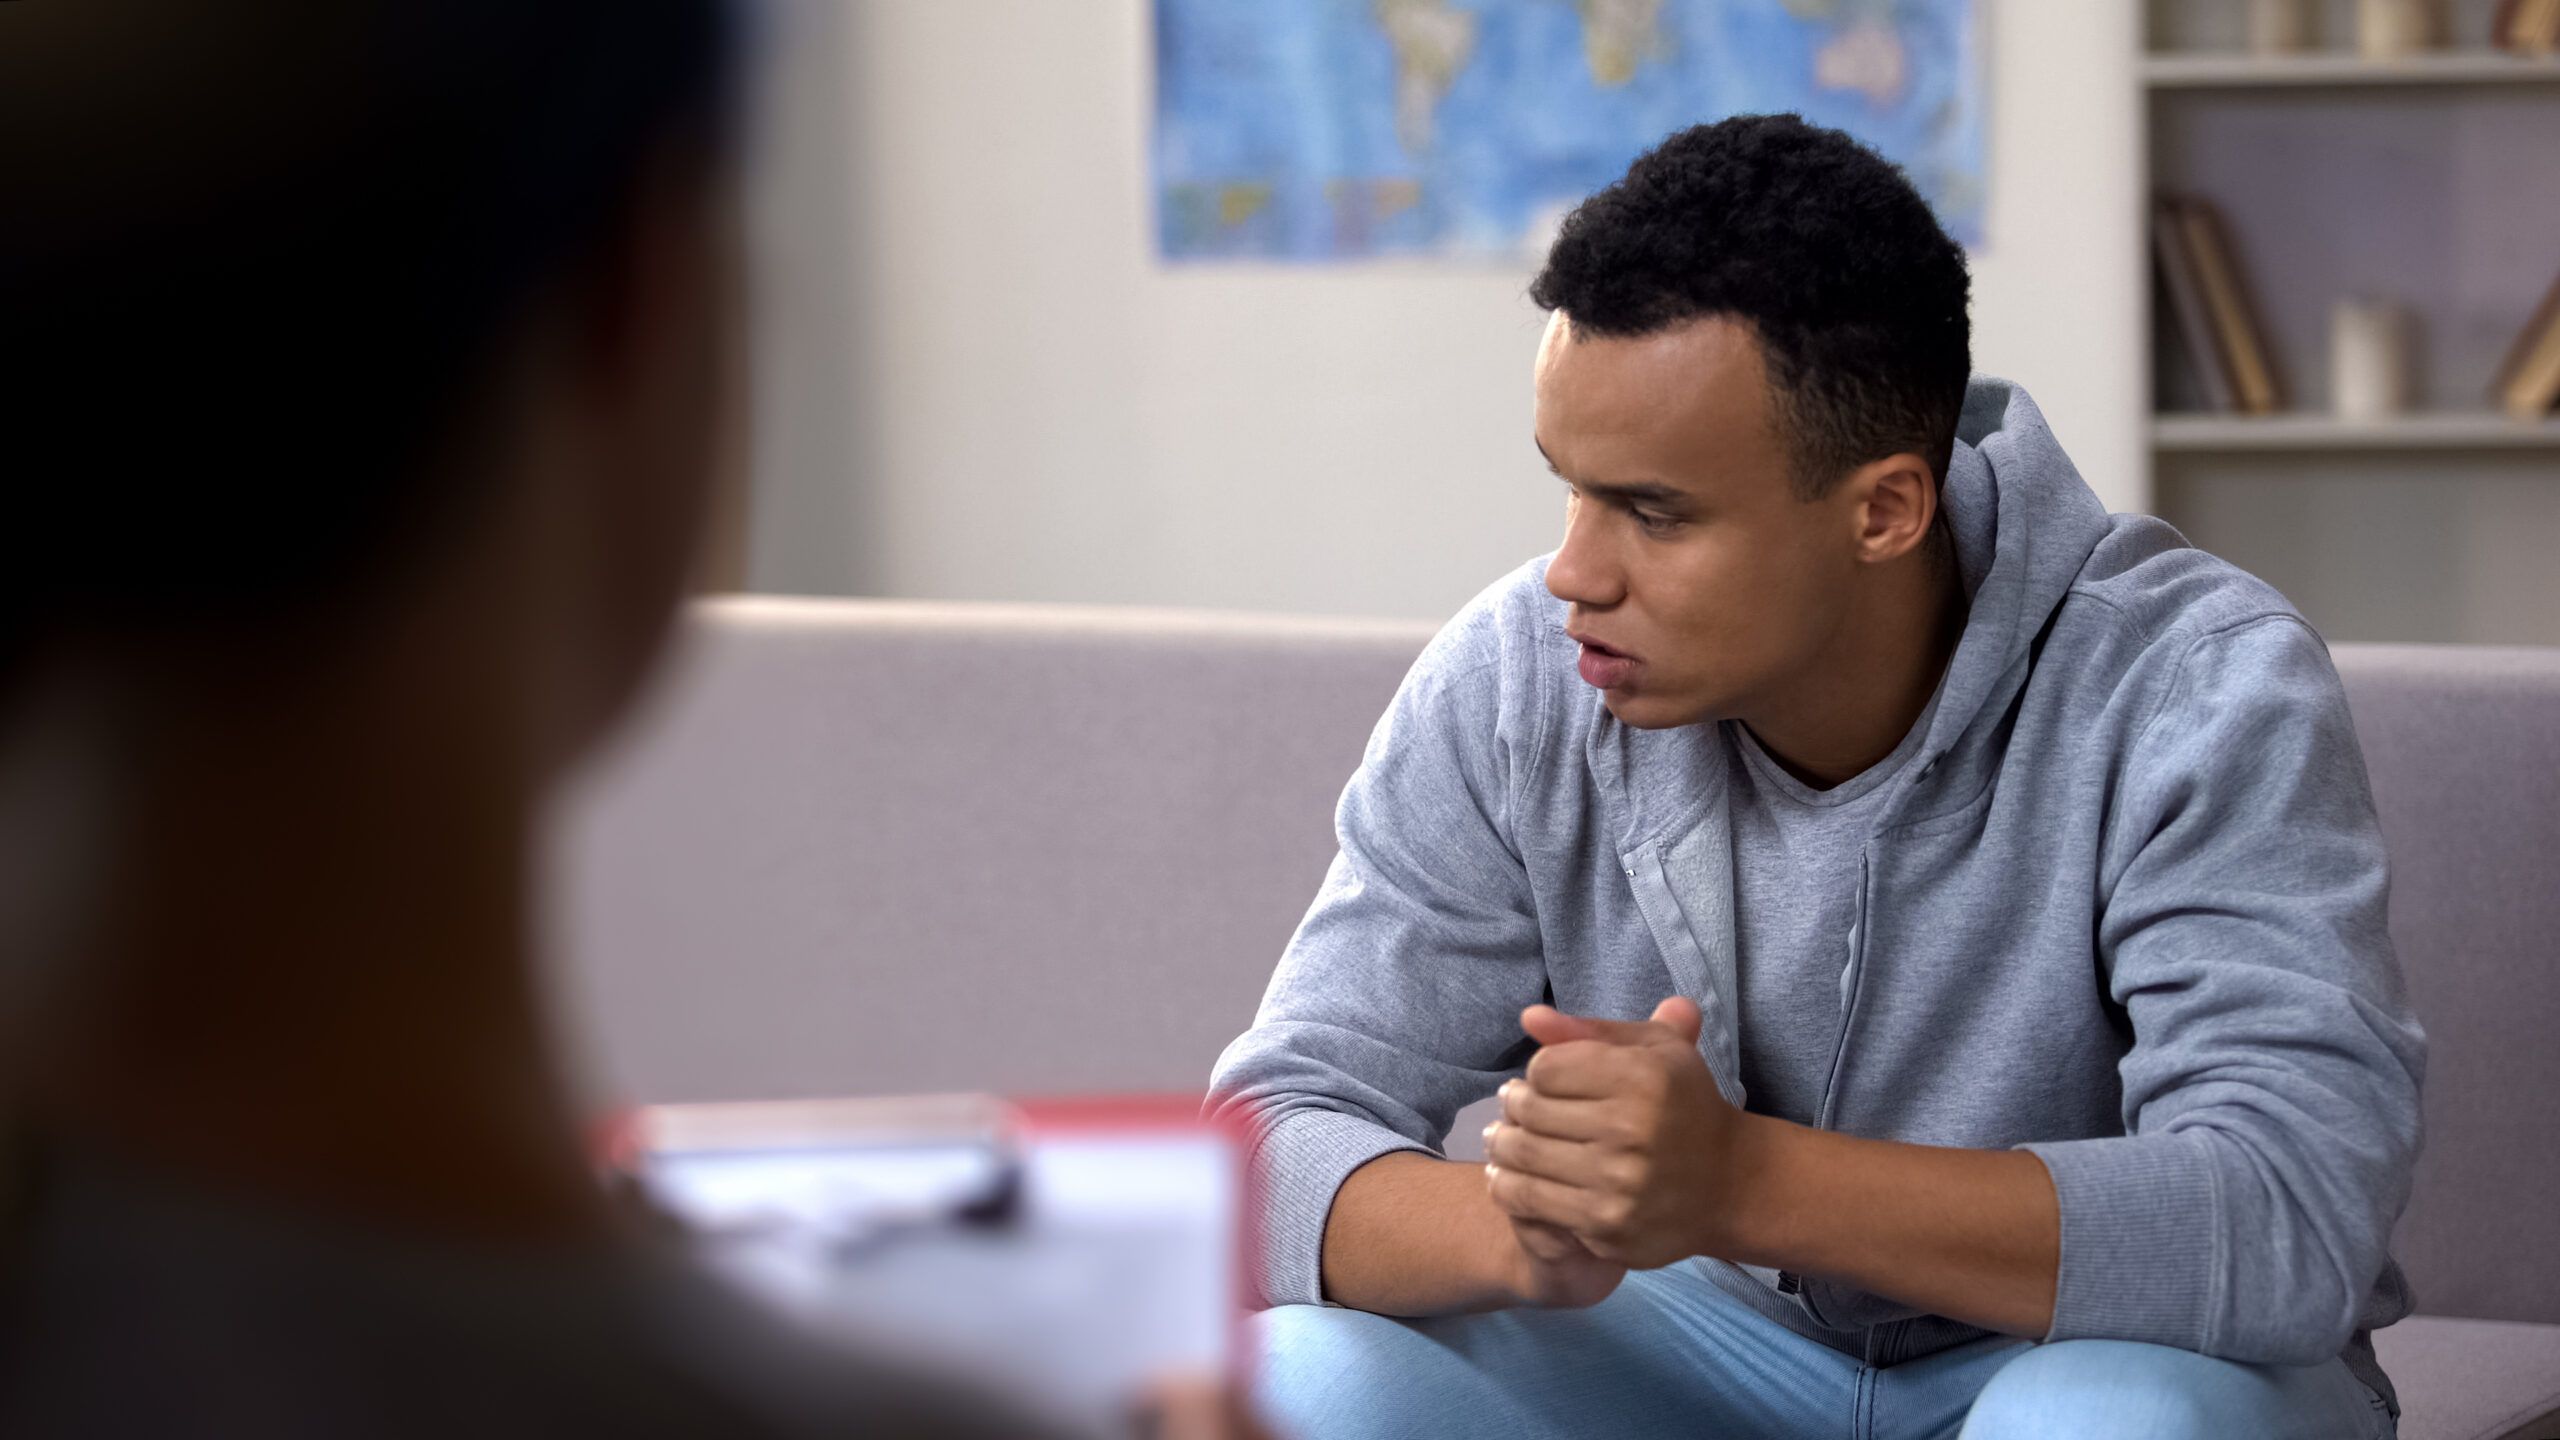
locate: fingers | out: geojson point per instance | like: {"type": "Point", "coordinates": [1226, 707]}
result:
{"type": "Point", "coordinates": [1549, 1026]}
{"type": "Point", "coordinates": [1546, 1242]}
{"type": "Point", "coordinates": [1524, 1196]}
{"type": "Point", "coordinates": [1525, 1106]}
{"type": "Point", "coordinates": [1592, 1070]}
{"type": "Point", "coordinates": [1568, 1162]}
{"type": "Point", "coordinates": [1680, 1016]}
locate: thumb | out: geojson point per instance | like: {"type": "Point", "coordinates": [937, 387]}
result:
{"type": "Point", "coordinates": [1550, 1026]}
{"type": "Point", "coordinates": [1681, 1014]}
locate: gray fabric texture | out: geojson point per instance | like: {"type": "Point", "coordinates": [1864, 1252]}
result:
{"type": "Point", "coordinates": [2128, 915]}
{"type": "Point", "coordinates": [894, 847]}
{"type": "Point", "coordinates": [1797, 853]}
{"type": "Point", "coordinates": [2474, 1379]}
{"type": "Point", "coordinates": [2465, 748]}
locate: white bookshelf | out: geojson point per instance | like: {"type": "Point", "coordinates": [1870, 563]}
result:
{"type": "Point", "coordinates": [2432, 180]}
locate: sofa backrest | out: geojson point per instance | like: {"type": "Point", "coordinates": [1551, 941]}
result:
{"type": "Point", "coordinates": [2463, 743]}
{"type": "Point", "coordinates": [868, 847]}
{"type": "Point", "coordinates": [864, 847]}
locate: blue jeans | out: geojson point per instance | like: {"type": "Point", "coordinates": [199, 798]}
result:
{"type": "Point", "coordinates": [1670, 1354]}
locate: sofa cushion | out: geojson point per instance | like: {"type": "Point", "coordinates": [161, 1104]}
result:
{"type": "Point", "coordinates": [2473, 1379]}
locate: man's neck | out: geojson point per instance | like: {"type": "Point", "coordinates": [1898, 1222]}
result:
{"type": "Point", "coordinates": [309, 978]}
{"type": "Point", "coordinates": [1862, 699]}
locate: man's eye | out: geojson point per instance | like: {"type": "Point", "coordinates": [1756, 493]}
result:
{"type": "Point", "coordinates": [1656, 524]}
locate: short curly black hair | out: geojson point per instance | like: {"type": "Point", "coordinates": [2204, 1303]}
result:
{"type": "Point", "coordinates": [1821, 245]}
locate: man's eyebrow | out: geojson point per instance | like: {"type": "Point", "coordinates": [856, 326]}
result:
{"type": "Point", "coordinates": [1646, 493]}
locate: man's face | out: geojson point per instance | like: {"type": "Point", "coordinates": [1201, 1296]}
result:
{"type": "Point", "coordinates": [1700, 586]}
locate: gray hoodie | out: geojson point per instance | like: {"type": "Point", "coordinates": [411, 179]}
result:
{"type": "Point", "coordinates": [2128, 914]}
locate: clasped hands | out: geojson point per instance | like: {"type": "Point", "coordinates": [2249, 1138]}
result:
{"type": "Point", "coordinates": [1615, 1151]}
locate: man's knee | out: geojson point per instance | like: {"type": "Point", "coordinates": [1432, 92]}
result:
{"type": "Point", "coordinates": [1328, 1372]}
{"type": "Point", "coordinates": [1321, 1343]}
{"type": "Point", "coordinates": [2102, 1389]}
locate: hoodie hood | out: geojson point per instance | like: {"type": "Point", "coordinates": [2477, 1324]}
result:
{"type": "Point", "coordinates": [2024, 525]}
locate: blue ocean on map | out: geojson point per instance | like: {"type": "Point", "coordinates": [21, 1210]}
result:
{"type": "Point", "coordinates": [1315, 130]}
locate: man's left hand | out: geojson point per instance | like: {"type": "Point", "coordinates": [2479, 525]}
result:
{"type": "Point", "coordinates": [1618, 1134]}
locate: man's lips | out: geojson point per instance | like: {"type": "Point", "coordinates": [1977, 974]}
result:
{"type": "Point", "coordinates": [1602, 667]}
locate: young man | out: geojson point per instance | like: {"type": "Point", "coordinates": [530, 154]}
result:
{"type": "Point", "coordinates": [366, 368]}
{"type": "Point", "coordinates": [1918, 913]}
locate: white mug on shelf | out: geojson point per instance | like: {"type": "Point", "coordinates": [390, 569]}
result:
{"type": "Point", "coordinates": [2369, 344]}
{"type": "Point", "coordinates": [2389, 29]}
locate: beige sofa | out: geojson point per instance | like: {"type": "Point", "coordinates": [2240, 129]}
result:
{"type": "Point", "coordinates": [866, 847]}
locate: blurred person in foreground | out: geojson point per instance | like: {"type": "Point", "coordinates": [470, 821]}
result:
{"type": "Point", "coordinates": [366, 368]}
{"type": "Point", "coordinates": [1909, 913]}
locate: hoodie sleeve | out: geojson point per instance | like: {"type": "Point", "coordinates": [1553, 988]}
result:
{"type": "Point", "coordinates": [1397, 1002]}
{"type": "Point", "coordinates": [2271, 1091]}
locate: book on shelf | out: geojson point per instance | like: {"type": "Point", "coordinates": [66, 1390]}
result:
{"type": "Point", "coordinates": [2237, 336]}
{"type": "Point", "coordinates": [2528, 383]}
{"type": "Point", "coordinates": [2530, 27]}
{"type": "Point", "coordinates": [2185, 292]}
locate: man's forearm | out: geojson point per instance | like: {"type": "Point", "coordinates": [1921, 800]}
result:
{"type": "Point", "coordinates": [1411, 1235]}
{"type": "Point", "coordinates": [1975, 1235]}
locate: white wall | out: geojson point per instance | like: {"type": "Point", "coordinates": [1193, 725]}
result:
{"type": "Point", "coordinates": [978, 382]}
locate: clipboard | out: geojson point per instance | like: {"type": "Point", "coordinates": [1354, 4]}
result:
{"type": "Point", "coordinates": [1066, 1251]}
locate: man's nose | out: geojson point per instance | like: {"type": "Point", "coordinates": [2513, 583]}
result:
{"type": "Point", "coordinates": [1582, 571]}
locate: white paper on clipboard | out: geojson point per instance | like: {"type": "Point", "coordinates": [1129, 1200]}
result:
{"type": "Point", "coordinates": [1070, 1251]}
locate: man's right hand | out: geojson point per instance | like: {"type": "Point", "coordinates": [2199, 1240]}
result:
{"type": "Point", "coordinates": [1555, 1270]}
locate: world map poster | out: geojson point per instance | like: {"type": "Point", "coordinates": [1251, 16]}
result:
{"type": "Point", "coordinates": [1317, 130]}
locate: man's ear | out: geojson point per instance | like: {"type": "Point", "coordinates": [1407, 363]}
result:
{"type": "Point", "coordinates": [1896, 501]}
